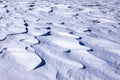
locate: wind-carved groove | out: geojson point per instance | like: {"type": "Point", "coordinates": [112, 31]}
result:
{"type": "Point", "coordinates": [90, 50]}
{"type": "Point", "coordinates": [81, 43]}
{"type": "Point", "coordinates": [2, 50]}
{"type": "Point", "coordinates": [69, 51]}
{"type": "Point", "coordinates": [2, 53]}
{"type": "Point", "coordinates": [47, 34]}
{"type": "Point", "coordinates": [79, 38]}
{"type": "Point", "coordinates": [3, 38]}
{"type": "Point", "coordinates": [37, 39]}
{"type": "Point", "coordinates": [59, 76]}
{"type": "Point", "coordinates": [88, 30]}
{"type": "Point", "coordinates": [42, 63]}
{"type": "Point", "coordinates": [48, 28]}
{"type": "Point", "coordinates": [84, 67]}
{"type": "Point", "coordinates": [52, 9]}
{"type": "Point", "coordinates": [25, 32]}
{"type": "Point", "coordinates": [25, 23]}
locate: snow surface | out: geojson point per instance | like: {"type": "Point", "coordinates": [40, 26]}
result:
{"type": "Point", "coordinates": [59, 39]}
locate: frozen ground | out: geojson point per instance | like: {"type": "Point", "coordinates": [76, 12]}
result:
{"type": "Point", "coordinates": [59, 39]}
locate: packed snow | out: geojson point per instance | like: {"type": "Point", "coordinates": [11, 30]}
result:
{"type": "Point", "coordinates": [59, 39]}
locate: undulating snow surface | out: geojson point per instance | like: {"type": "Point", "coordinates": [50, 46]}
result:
{"type": "Point", "coordinates": [59, 39]}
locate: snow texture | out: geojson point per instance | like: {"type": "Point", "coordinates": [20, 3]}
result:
{"type": "Point", "coordinates": [59, 39]}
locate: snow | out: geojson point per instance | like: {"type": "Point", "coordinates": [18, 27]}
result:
{"type": "Point", "coordinates": [59, 40]}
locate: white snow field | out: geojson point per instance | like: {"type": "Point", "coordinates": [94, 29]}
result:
{"type": "Point", "coordinates": [59, 39]}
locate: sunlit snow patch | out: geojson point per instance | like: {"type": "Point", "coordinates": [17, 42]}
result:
{"type": "Point", "coordinates": [29, 60]}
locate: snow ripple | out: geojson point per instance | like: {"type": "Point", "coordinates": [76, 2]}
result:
{"type": "Point", "coordinates": [59, 40]}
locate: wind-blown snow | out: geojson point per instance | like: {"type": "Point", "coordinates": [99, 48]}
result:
{"type": "Point", "coordinates": [59, 40]}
